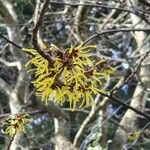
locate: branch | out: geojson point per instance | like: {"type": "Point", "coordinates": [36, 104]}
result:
{"type": "Point", "coordinates": [63, 12]}
{"type": "Point", "coordinates": [14, 44]}
{"type": "Point", "coordinates": [9, 64]}
{"type": "Point", "coordinates": [85, 122]}
{"type": "Point", "coordinates": [5, 86]}
{"type": "Point", "coordinates": [53, 110]}
{"type": "Point", "coordinates": [134, 72]}
{"type": "Point", "coordinates": [116, 100]}
{"type": "Point", "coordinates": [136, 11]}
{"type": "Point", "coordinates": [35, 31]}
{"type": "Point", "coordinates": [76, 110]}
{"type": "Point", "coordinates": [50, 109]}
{"type": "Point", "coordinates": [110, 31]}
{"type": "Point", "coordinates": [10, 142]}
{"type": "Point", "coordinates": [22, 113]}
{"type": "Point", "coordinates": [95, 108]}
{"type": "Point", "coordinates": [144, 2]}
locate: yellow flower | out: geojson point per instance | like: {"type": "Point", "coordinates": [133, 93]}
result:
{"type": "Point", "coordinates": [73, 76]}
{"type": "Point", "coordinates": [16, 124]}
{"type": "Point", "coordinates": [132, 136]}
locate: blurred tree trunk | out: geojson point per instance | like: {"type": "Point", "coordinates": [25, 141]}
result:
{"type": "Point", "coordinates": [62, 143]}
{"type": "Point", "coordinates": [138, 100]}
{"type": "Point", "coordinates": [17, 95]}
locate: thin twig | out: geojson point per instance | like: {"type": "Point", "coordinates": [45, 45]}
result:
{"type": "Point", "coordinates": [116, 100]}
{"type": "Point", "coordinates": [10, 142]}
{"type": "Point", "coordinates": [14, 44]}
{"type": "Point", "coordinates": [22, 113]}
{"type": "Point", "coordinates": [110, 31]}
{"type": "Point", "coordinates": [134, 72]}
{"type": "Point", "coordinates": [144, 2]}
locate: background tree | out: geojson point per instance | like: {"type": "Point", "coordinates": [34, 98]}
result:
{"type": "Point", "coordinates": [120, 30]}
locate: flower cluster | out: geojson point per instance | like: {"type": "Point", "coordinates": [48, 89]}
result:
{"type": "Point", "coordinates": [72, 75]}
{"type": "Point", "coordinates": [16, 124]}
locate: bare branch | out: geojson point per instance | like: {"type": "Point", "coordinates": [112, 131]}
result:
{"type": "Point", "coordinates": [35, 31]}
{"type": "Point", "coordinates": [85, 122]}
{"type": "Point", "coordinates": [22, 113]}
{"type": "Point", "coordinates": [115, 100]}
{"type": "Point", "coordinates": [11, 141]}
{"type": "Point", "coordinates": [10, 64]}
{"type": "Point", "coordinates": [110, 31]}
{"type": "Point", "coordinates": [144, 2]}
{"type": "Point", "coordinates": [11, 42]}
{"type": "Point", "coordinates": [128, 9]}
{"type": "Point", "coordinates": [134, 72]}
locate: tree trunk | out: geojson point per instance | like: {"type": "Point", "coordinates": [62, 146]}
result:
{"type": "Point", "coordinates": [17, 94]}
